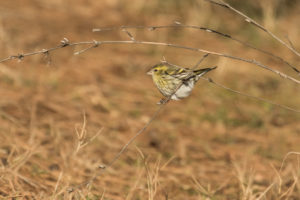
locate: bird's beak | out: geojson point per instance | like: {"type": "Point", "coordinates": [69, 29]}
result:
{"type": "Point", "coordinates": [150, 72]}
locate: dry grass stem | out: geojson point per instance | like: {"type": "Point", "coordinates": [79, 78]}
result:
{"type": "Point", "coordinates": [253, 22]}
{"type": "Point", "coordinates": [286, 156]}
{"type": "Point", "coordinates": [81, 133]}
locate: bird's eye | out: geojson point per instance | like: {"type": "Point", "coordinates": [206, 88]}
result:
{"type": "Point", "coordinates": [155, 70]}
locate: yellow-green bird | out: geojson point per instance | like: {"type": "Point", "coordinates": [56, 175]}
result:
{"type": "Point", "coordinates": [176, 81]}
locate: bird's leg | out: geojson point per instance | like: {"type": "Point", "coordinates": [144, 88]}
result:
{"type": "Point", "coordinates": [163, 101]}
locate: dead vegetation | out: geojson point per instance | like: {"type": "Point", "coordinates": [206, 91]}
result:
{"type": "Point", "coordinates": [63, 117]}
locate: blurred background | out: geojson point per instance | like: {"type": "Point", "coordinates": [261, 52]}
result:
{"type": "Point", "coordinates": [213, 145]}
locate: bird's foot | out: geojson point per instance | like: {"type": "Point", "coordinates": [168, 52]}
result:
{"type": "Point", "coordinates": [163, 101]}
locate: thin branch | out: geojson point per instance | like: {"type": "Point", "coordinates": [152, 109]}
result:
{"type": "Point", "coordinates": [253, 22]}
{"type": "Point", "coordinates": [250, 96]}
{"type": "Point", "coordinates": [179, 25]}
{"type": "Point", "coordinates": [128, 34]}
{"type": "Point", "coordinates": [204, 51]}
{"type": "Point", "coordinates": [97, 43]}
{"type": "Point", "coordinates": [64, 43]}
{"type": "Point", "coordinates": [200, 61]}
{"type": "Point", "coordinates": [290, 42]}
{"type": "Point", "coordinates": [94, 45]}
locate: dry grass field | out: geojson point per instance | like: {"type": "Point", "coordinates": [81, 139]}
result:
{"type": "Point", "coordinates": [62, 115]}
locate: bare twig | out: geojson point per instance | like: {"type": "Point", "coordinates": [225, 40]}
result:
{"type": "Point", "coordinates": [290, 42]}
{"type": "Point", "coordinates": [253, 22]}
{"type": "Point", "coordinates": [96, 44]}
{"type": "Point", "coordinates": [66, 43]}
{"type": "Point", "coordinates": [128, 34]}
{"type": "Point", "coordinates": [200, 61]}
{"type": "Point", "coordinates": [63, 43]}
{"type": "Point", "coordinates": [250, 96]}
{"type": "Point", "coordinates": [179, 25]}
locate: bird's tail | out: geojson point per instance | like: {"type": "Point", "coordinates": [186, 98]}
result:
{"type": "Point", "coordinates": [201, 72]}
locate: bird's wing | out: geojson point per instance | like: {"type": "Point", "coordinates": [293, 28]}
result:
{"type": "Point", "coordinates": [180, 73]}
{"type": "Point", "coordinates": [200, 72]}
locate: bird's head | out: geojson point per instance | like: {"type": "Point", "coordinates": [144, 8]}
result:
{"type": "Point", "coordinates": [158, 69]}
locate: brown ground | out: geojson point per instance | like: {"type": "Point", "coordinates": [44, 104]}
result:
{"type": "Point", "coordinates": [212, 145]}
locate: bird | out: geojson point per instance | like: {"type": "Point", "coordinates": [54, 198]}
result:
{"type": "Point", "coordinates": [175, 82]}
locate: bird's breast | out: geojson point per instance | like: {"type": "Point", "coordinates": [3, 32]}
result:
{"type": "Point", "coordinates": [184, 91]}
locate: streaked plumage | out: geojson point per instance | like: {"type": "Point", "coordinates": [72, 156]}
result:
{"type": "Point", "coordinates": [169, 77]}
